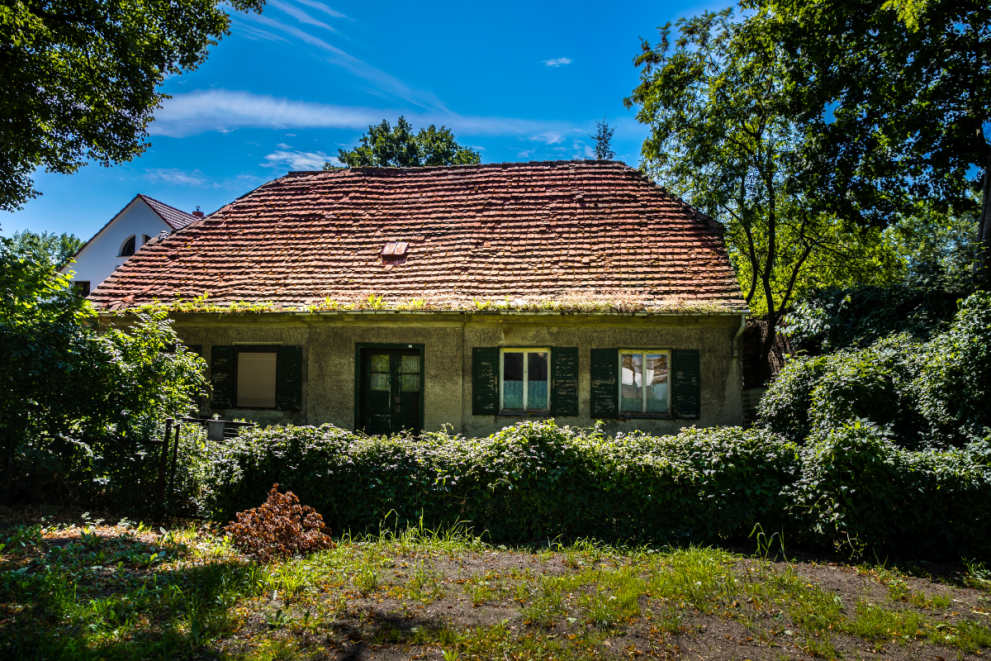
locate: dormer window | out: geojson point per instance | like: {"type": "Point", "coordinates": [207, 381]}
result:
{"type": "Point", "coordinates": [396, 250]}
{"type": "Point", "coordinates": [127, 249]}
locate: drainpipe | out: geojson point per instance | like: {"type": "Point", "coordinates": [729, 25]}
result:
{"type": "Point", "coordinates": [736, 338]}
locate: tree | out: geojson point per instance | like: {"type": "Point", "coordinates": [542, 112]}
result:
{"type": "Point", "coordinates": [721, 137]}
{"type": "Point", "coordinates": [80, 79]}
{"type": "Point", "coordinates": [603, 138]}
{"type": "Point", "coordinates": [48, 248]}
{"type": "Point", "coordinates": [398, 147]}
{"type": "Point", "coordinates": [68, 393]}
{"type": "Point", "coordinates": [895, 100]}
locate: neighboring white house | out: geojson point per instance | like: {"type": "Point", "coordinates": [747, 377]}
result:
{"type": "Point", "coordinates": [139, 222]}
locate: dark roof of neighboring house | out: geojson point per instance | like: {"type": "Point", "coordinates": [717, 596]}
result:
{"type": "Point", "coordinates": [173, 217]}
{"type": "Point", "coordinates": [577, 230]}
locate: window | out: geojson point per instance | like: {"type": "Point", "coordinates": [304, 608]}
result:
{"type": "Point", "coordinates": [145, 239]}
{"type": "Point", "coordinates": [82, 287]}
{"type": "Point", "coordinates": [256, 371]}
{"type": "Point", "coordinates": [643, 387]}
{"type": "Point", "coordinates": [525, 380]}
{"type": "Point", "coordinates": [127, 249]}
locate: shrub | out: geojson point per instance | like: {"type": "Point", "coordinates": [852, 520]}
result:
{"type": "Point", "coordinates": [953, 387]}
{"type": "Point", "coordinates": [280, 527]}
{"type": "Point", "coordinates": [784, 408]}
{"type": "Point", "coordinates": [860, 490]}
{"type": "Point", "coordinates": [532, 481]}
{"type": "Point", "coordinates": [928, 394]}
{"type": "Point", "coordinates": [69, 394]}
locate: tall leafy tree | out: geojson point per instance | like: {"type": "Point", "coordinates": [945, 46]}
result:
{"type": "Point", "coordinates": [896, 100]}
{"type": "Point", "coordinates": [398, 147]}
{"type": "Point", "coordinates": [47, 247]}
{"type": "Point", "coordinates": [721, 136]}
{"type": "Point", "coordinates": [80, 78]}
{"type": "Point", "coordinates": [603, 141]}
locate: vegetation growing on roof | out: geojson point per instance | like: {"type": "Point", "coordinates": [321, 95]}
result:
{"type": "Point", "coordinates": [571, 303]}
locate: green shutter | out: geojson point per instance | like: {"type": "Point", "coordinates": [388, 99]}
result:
{"type": "Point", "coordinates": [289, 379]}
{"type": "Point", "coordinates": [564, 381]}
{"type": "Point", "coordinates": [485, 381]}
{"type": "Point", "coordinates": [687, 383]}
{"type": "Point", "coordinates": [222, 380]}
{"type": "Point", "coordinates": [605, 383]}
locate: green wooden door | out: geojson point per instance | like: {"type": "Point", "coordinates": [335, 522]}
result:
{"type": "Point", "coordinates": [390, 391]}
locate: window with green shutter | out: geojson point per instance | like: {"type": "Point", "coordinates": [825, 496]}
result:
{"type": "Point", "coordinates": [604, 370]}
{"type": "Point", "coordinates": [485, 381]}
{"type": "Point", "coordinates": [289, 379]}
{"type": "Point", "coordinates": [564, 381]}
{"type": "Point", "coordinates": [222, 378]}
{"type": "Point", "coordinates": [686, 383]}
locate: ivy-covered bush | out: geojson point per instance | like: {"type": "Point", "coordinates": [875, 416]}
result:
{"type": "Point", "coordinates": [851, 487]}
{"type": "Point", "coordinates": [952, 389]}
{"type": "Point", "coordinates": [533, 481]}
{"type": "Point", "coordinates": [73, 398]}
{"type": "Point", "coordinates": [861, 491]}
{"type": "Point", "coordinates": [930, 394]}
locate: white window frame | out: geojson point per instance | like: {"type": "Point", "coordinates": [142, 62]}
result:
{"type": "Point", "coordinates": [643, 387]}
{"type": "Point", "coordinates": [526, 377]}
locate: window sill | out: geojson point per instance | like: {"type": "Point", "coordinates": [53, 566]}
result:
{"type": "Point", "coordinates": [525, 414]}
{"type": "Point", "coordinates": [628, 415]}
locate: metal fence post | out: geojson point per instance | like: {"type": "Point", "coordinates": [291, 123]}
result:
{"type": "Point", "coordinates": [163, 464]}
{"type": "Point", "coordinates": [175, 457]}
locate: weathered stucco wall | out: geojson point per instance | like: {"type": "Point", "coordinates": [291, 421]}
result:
{"type": "Point", "coordinates": [329, 353]}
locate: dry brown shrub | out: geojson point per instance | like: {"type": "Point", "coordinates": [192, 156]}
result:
{"type": "Point", "coordinates": [279, 528]}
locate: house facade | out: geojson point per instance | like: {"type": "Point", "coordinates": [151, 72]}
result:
{"type": "Point", "coordinates": [477, 296]}
{"type": "Point", "coordinates": [136, 224]}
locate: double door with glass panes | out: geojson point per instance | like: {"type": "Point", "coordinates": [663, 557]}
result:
{"type": "Point", "coordinates": [391, 391]}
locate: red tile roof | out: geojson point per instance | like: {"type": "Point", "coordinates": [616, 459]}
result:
{"type": "Point", "coordinates": [555, 230]}
{"type": "Point", "coordinates": [173, 217]}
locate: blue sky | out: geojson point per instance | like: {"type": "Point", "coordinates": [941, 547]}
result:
{"type": "Point", "coordinates": [518, 81]}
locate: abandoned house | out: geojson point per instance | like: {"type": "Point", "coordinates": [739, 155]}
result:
{"type": "Point", "coordinates": [477, 296]}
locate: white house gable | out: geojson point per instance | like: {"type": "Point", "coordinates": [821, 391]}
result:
{"type": "Point", "coordinates": [140, 221]}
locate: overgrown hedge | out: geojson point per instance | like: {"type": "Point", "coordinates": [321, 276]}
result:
{"type": "Point", "coordinates": [927, 395]}
{"type": "Point", "coordinates": [528, 482]}
{"type": "Point", "coordinates": [852, 487]}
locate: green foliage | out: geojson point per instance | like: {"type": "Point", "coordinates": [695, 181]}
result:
{"type": "Point", "coordinates": [70, 394]}
{"type": "Point", "coordinates": [603, 139]}
{"type": "Point", "coordinates": [80, 79]}
{"type": "Point", "coordinates": [529, 482]}
{"type": "Point", "coordinates": [55, 249]}
{"type": "Point", "coordinates": [926, 394]}
{"type": "Point", "coordinates": [398, 147]}
{"type": "Point", "coordinates": [936, 254]}
{"type": "Point", "coordinates": [713, 94]}
{"type": "Point", "coordinates": [859, 490]}
{"type": "Point", "coordinates": [893, 97]}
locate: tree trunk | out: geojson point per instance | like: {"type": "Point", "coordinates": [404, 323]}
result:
{"type": "Point", "coordinates": [984, 229]}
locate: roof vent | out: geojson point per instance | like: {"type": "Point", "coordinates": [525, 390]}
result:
{"type": "Point", "coordinates": [395, 250]}
{"type": "Point", "coordinates": [198, 213]}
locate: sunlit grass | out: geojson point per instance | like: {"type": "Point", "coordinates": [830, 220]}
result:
{"type": "Point", "coordinates": [130, 593]}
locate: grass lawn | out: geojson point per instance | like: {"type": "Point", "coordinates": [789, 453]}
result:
{"type": "Point", "coordinates": [77, 589]}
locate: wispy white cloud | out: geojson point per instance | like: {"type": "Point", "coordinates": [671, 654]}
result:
{"type": "Point", "coordinates": [176, 177]}
{"type": "Point", "coordinates": [380, 79]}
{"type": "Point", "coordinates": [225, 110]}
{"type": "Point", "coordinates": [581, 150]}
{"type": "Point", "coordinates": [299, 160]}
{"type": "Point", "coordinates": [319, 6]}
{"type": "Point", "coordinates": [283, 145]}
{"type": "Point", "coordinates": [526, 153]}
{"type": "Point", "coordinates": [548, 137]}
{"type": "Point", "coordinates": [256, 34]}
{"type": "Point", "coordinates": [299, 15]}
{"type": "Point", "coordinates": [557, 62]}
